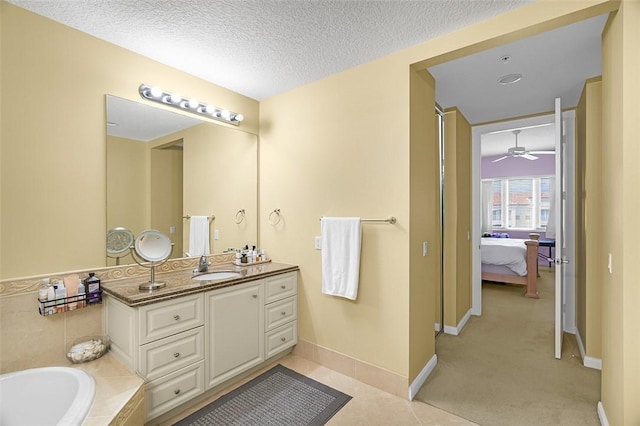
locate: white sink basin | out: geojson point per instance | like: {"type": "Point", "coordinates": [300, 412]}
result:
{"type": "Point", "coordinates": [220, 275]}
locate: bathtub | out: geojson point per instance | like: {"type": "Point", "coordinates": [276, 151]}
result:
{"type": "Point", "coordinates": [45, 396]}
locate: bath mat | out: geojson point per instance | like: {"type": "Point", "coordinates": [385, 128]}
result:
{"type": "Point", "coordinates": [279, 396]}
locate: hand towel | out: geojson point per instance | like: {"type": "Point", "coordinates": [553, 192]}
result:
{"type": "Point", "coordinates": [199, 236]}
{"type": "Point", "coordinates": [341, 241]}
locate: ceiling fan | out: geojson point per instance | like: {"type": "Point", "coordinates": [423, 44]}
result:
{"type": "Point", "coordinates": [520, 151]}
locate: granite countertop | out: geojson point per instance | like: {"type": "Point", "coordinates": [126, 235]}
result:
{"type": "Point", "coordinates": [181, 283]}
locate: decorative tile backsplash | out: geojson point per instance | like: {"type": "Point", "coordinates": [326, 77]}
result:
{"type": "Point", "coordinates": [16, 286]}
{"type": "Point", "coordinates": [29, 340]}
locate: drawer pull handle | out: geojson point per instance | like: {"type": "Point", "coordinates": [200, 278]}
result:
{"type": "Point", "coordinates": [176, 355]}
{"type": "Point", "coordinates": [177, 391]}
{"type": "Point", "coordinates": [284, 339]}
{"type": "Point", "coordinates": [176, 317]}
{"type": "Point", "coordinates": [255, 296]}
{"type": "Point", "coordinates": [283, 313]}
{"type": "Point", "coordinates": [283, 286]}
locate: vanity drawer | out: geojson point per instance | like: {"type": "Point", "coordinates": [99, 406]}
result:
{"type": "Point", "coordinates": [173, 316]}
{"type": "Point", "coordinates": [281, 312]}
{"type": "Point", "coordinates": [167, 355]}
{"type": "Point", "coordinates": [281, 338]}
{"type": "Point", "coordinates": [280, 287]}
{"type": "Point", "coordinates": [170, 391]}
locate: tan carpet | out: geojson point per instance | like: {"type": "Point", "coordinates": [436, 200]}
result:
{"type": "Point", "coordinates": [501, 369]}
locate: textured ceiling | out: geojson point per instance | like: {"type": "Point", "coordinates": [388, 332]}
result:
{"type": "Point", "coordinates": [264, 47]}
{"type": "Point", "coordinates": [261, 48]}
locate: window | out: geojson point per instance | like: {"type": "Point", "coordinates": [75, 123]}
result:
{"type": "Point", "coordinates": [521, 203]}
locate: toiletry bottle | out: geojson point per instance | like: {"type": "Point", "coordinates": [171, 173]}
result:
{"type": "Point", "coordinates": [92, 287]}
{"type": "Point", "coordinates": [81, 295]}
{"type": "Point", "coordinates": [61, 295]}
{"type": "Point", "coordinates": [43, 296]}
{"type": "Point", "coordinates": [51, 297]}
{"type": "Point", "coordinates": [71, 285]}
{"type": "Point", "coordinates": [44, 289]}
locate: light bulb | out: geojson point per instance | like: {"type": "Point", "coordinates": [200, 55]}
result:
{"type": "Point", "coordinates": [193, 104]}
{"type": "Point", "coordinates": [238, 117]}
{"type": "Point", "coordinates": [226, 114]}
{"type": "Point", "coordinates": [175, 98]}
{"type": "Point", "coordinates": [209, 109]}
{"type": "Point", "coordinates": [156, 92]}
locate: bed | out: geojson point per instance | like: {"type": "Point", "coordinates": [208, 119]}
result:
{"type": "Point", "coordinates": [510, 260]}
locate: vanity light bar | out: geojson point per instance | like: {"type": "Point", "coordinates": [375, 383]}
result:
{"type": "Point", "coordinates": [191, 105]}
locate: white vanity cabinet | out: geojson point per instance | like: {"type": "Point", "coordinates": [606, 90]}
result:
{"type": "Point", "coordinates": [165, 343]}
{"type": "Point", "coordinates": [235, 334]}
{"type": "Point", "coordinates": [281, 313]}
{"type": "Point", "coordinates": [190, 344]}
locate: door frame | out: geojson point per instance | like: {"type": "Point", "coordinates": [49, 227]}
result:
{"type": "Point", "coordinates": [476, 132]}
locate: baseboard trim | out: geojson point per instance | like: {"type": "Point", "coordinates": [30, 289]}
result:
{"type": "Point", "coordinates": [456, 330]}
{"type": "Point", "coordinates": [602, 415]}
{"type": "Point", "coordinates": [422, 377]}
{"type": "Point", "coordinates": [587, 361]}
{"type": "Point", "coordinates": [580, 344]}
{"type": "Point", "coordinates": [591, 362]}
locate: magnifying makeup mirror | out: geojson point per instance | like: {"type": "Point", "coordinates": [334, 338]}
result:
{"type": "Point", "coordinates": [154, 247]}
{"type": "Point", "coordinates": [119, 240]}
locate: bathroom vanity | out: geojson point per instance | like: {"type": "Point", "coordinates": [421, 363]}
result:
{"type": "Point", "coordinates": [194, 336]}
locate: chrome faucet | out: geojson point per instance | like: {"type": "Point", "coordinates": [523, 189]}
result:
{"type": "Point", "coordinates": [203, 265]}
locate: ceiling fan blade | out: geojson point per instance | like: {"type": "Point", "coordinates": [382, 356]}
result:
{"type": "Point", "coordinates": [541, 152]}
{"type": "Point", "coordinates": [529, 157]}
{"type": "Point", "coordinates": [520, 128]}
{"type": "Point", "coordinates": [500, 159]}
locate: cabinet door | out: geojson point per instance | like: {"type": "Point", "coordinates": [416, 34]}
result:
{"type": "Point", "coordinates": [235, 321]}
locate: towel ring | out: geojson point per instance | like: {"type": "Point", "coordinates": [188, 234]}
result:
{"type": "Point", "coordinates": [240, 216]}
{"type": "Point", "coordinates": [274, 217]}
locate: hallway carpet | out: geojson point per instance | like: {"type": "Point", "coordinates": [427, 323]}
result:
{"type": "Point", "coordinates": [501, 369]}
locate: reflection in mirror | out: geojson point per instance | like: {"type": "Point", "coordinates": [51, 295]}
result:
{"type": "Point", "coordinates": [163, 167]}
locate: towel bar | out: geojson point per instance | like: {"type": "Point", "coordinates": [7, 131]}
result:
{"type": "Point", "coordinates": [390, 220]}
{"type": "Point", "coordinates": [188, 216]}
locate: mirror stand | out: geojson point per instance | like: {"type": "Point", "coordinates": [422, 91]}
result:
{"type": "Point", "coordinates": [151, 284]}
{"type": "Point", "coordinates": [156, 248]}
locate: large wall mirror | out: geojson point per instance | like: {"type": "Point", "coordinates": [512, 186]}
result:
{"type": "Point", "coordinates": [164, 167]}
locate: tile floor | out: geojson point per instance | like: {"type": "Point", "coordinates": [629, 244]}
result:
{"type": "Point", "coordinates": [368, 406]}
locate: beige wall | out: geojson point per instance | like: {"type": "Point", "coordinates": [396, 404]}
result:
{"type": "Point", "coordinates": [620, 204]}
{"type": "Point", "coordinates": [338, 148]}
{"type": "Point", "coordinates": [220, 178]}
{"type": "Point", "coordinates": [424, 219]}
{"type": "Point", "coordinates": [589, 265]}
{"type": "Point", "coordinates": [54, 80]}
{"type": "Point", "coordinates": [166, 183]}
{"type": "Point", "coordinates": [457, 217]}
{"type": "Point", "coordinates": [127, 191]}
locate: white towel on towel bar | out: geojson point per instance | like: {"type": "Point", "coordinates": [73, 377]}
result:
{"type": "Point", "coordinates": [341, 242]}
{"type": "Point", "coordinates": [199, 236]}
